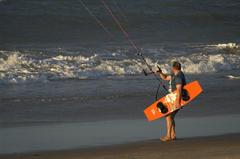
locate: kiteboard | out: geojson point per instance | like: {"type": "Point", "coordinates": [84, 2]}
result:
{"type": "Point", "coordinates": [166, 104]}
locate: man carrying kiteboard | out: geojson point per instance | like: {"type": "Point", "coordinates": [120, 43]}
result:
{"type": "Point", "coordinates": [176, 82]}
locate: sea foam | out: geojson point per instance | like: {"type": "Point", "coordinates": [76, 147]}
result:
{"type": "Point", "coordinates": [19, 67]}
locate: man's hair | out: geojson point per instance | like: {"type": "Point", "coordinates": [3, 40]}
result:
{"type": "Point", "coordinates": [176, 65]}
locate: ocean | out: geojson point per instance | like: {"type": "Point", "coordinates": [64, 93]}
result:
{"type": "Point", "coordinates": [58, 65]}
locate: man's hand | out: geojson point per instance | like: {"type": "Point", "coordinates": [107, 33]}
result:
{"type": "Point", "coordinates": [163, 75]}
{"type": "Point", "coordinates": [177, 104]}
{"type": "Point", "coordinates": [159, 70]}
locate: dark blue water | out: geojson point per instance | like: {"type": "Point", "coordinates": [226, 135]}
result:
{"type": "Point", "coordinates": [60, 22]}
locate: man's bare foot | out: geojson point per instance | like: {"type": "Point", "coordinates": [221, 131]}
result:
{"type": "Point", "coordinates": [174, 138]}
{"type": "Point", "coordinates": [165, 139]}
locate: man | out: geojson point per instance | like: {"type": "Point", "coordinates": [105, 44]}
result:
{"type": "Point", "coordinates": [176, 82]}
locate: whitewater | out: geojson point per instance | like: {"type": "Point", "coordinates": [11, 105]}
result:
{"type": "Point", "coordinates": [24, 66]}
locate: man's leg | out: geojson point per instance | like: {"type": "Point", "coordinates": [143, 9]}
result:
{"type": "Point", "coordinates": [173, 132]}
{"type": "Point", "coordinates": [169, 128]}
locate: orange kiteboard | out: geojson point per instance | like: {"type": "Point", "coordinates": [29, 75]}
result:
{"type": "Point", "coordinates": [166, 104]}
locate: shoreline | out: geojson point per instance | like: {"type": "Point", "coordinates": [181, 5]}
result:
{"type": "Point", "coordinates": [222, 146]}
{"type": "Point", "coordinates": [65, 136]}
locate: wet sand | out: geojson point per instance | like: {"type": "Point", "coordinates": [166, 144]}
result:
{"type": "Point", "coordinates": [215, 147]}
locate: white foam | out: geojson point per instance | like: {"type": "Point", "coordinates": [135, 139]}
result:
{"type": "Point", "coordinates": [16, 67]}
{"type": "Point", "coordinates": [233, 77]}
{"type": "Point", "coordinates": [204, 63]}
{"type": "Point", "coordinates": [228, 45]}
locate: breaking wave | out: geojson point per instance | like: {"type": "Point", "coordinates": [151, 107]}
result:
{"type": "Point", "coordinates": [204, 63]}
{"type": "Point", "coordinates": [233, 77]}
{"type": "Point", "coordinates": [19, 67]}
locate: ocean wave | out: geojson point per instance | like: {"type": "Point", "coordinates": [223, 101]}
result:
{"type": "Point", "coordinates": [18, 67]}
{"type": "Point", "coordinates": [228, 46]}
{"type": "Point", "coordinates": [233, 77]}
{"type": "Point", "coordinates": [204, 63]}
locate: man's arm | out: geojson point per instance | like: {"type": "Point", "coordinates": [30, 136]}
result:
{"type": "Point", "coordinates": [179, 95]}
{"type": "Point", "coordinates": [164, 76]}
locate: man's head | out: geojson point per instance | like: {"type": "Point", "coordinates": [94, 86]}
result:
{"type": "Point", "coordinates": [176, 66]}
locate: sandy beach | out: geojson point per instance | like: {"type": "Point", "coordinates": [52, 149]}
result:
{"type": "Point", "coordinates": [216, 147]}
